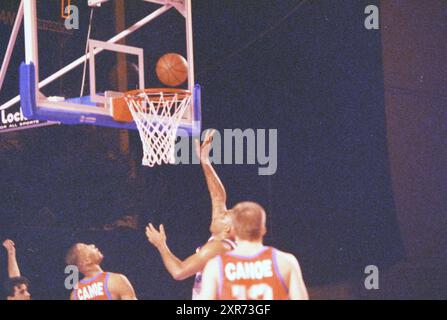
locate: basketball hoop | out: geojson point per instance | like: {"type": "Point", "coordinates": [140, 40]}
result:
{"type": "Point", "coordinates": [157, 114]}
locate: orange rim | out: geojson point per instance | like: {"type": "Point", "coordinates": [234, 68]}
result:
{"type": "Point", "coordinates": [181, 93]}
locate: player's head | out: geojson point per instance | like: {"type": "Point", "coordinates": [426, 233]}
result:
{"type": "Point", "coordinates": [222, 224]}
{"type": "Point", "coordinates": [249, 222]}
{"type": "Point", "coordinates": [84, 256]}
{"type": "Point", "coordinates": [17, 289]}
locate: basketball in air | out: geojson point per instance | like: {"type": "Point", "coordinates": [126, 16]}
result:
{"type": "Point", "coordinates": [172, 69]}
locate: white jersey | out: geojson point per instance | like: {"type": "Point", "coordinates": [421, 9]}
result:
{"type": "Point", "coordinates": [198, 280]}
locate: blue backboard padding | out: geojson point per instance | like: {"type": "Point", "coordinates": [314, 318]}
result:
{"type": "Point", "coordinates": [197, 96]}
{"type": "Point", "coordinates": [28, 90]}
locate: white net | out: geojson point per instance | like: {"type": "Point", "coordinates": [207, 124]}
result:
{"type": "Point", "coordinates": [157, 116]}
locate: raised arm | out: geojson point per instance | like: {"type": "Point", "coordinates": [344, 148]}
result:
{"type": "Point", "coordinates": [215, 187]}
{"type": "Point", "coordinates": [179, 269]}
{"type": "Point", "coordinates": [13, 267]}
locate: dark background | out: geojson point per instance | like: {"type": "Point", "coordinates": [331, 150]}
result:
{"type": "Point", "coordinates": [308, 69]}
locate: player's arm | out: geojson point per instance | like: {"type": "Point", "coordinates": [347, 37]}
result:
{"type": "Point", "coordinates": [179, 269]}
{"type": "Point", "coordinates": [13, 267]}
{"type": "Point", "coordinates": [121, 288]}
{"type": "Point", "coordinates": [210, 278]}
{"type": "Point", "coordinates": [297, 288]}
{"type": "Point", "coordinates": [215, 187]}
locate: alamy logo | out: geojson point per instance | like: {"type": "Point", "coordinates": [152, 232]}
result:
{"type": "Point", "coordinates": [73, 277]}
{"type": "Point", "coordinates": [71, 17]}
{"type": "Point", "coordinates": [372, 20]}
{"type": "Point", "coordinates": [236, 146]}
{"type": "Point", "coordinates": [372, 280]}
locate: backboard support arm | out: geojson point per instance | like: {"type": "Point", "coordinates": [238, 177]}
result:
{"type": "Point", "coordinates": [31, 52]}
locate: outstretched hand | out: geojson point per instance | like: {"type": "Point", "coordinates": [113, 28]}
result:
{"type": "Point", "coordinates": [157, 238]}
{"type": "Point", "coordinates": [203, 151]}
{"type": "Point", "coordinates": [9, 246]}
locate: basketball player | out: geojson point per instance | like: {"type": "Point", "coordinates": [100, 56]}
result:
{"type": "Point", "coordinates": [252, 271]}
{"type": "Point", "coordinates": [220, 241]}
{"type": "Point", "coordinates": [97, 284]}
{"type": "Point", "coordinates": [16, 287]}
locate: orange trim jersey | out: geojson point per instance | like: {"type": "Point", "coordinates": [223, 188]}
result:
{"type": "Point", "coordinates": [95, 288]}
{"type": "Point", "coordinates": [251, 278]}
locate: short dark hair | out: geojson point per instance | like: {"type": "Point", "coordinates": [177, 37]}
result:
{"type": "Point", "coordinates": [11, 283]}
{"type": "Point", "coordinates": [72, 257]}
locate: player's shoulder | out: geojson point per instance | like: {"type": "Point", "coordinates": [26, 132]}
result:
{"type": "Point", "coordinates": [117, 277]}
{"type": "Point", "coordinates": [117, 282]}
{"type": "Point", "coordinates": [120, 287]}
{"type": "Point", "coordinates": [286, 257]}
